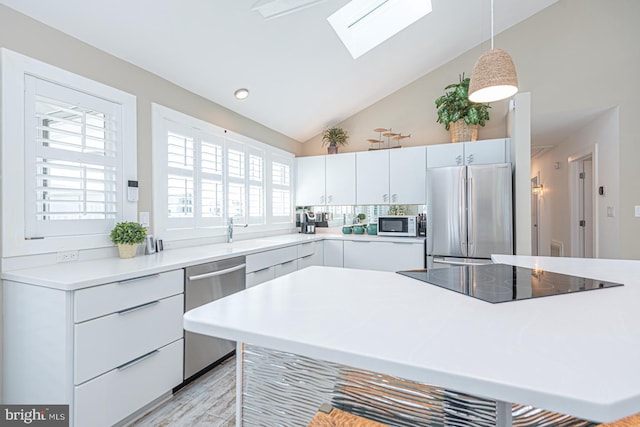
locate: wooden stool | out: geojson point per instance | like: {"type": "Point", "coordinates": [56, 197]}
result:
{"type": "Point", "coordinates": [632, 421]}
{"type": "Point", "coordinates": [328, 416]}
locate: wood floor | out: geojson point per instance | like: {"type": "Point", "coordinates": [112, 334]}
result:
{"type": "Point", "coordinates": [208, 401]}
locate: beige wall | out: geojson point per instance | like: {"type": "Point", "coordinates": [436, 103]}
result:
{"type": "Point", "coordinates": [574, 55]}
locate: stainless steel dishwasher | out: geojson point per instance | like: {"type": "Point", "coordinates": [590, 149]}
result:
{"type": "Point", "coordinates": [205, 283]}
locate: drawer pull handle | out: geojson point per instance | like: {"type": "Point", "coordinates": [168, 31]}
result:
{"type": "Point", "coordinates": [217, 273]}
{"type": "Point", "coordinates": [138, 307]}
{"type": "Point", "coordinates": [138, 360]}
{"type": "Point", "coordinates": [307, 256]}
{"type": "Point", "coordinates": [288, 262]}
{"type": "Point", "coordinates": [262, 269]}
{"type": "Point", "coordinates": [135, 279]}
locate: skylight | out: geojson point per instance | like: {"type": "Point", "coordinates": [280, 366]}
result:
{"type": "Point", "coordinates": [364, 24]}
{"type": "Point", "coordinates": [276, 8]}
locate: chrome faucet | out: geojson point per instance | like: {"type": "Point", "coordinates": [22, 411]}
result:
{"type": "Point", "coordinates": [230, 226]}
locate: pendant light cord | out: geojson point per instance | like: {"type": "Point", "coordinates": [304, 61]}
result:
{"type": "Point", "coordinates": [491, 24]}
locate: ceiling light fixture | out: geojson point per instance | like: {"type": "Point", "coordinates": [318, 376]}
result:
{"type": "Point", "coordinates": [494, 75]}
{"type": "Point", "coordinates": [241, 93]}
{"type": "Point", "coordinates": [364, 24]}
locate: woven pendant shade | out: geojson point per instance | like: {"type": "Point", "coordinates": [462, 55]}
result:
{"type": "Point", "coordinates": [493, 78]}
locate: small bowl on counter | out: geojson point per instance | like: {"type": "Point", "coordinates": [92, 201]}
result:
{"type": "Point", "coordinates": [358, 229]}
{"type": "Point", "coordinates": [347, 229]}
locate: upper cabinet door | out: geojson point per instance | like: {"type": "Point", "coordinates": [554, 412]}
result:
{"type": "Point", "coordinates": [310, 181]}
{"type": "Point", "coordinates": [486, 152]}
{"type": "Point", "coordinates": [441, 155]}
{"type": "Point", "coordinates": [373, 177]}
{"type": "Point", "coordinates": [407, 175]}
{"type": "Point", "coordinates": [341, 179]}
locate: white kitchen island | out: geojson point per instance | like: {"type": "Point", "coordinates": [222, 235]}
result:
{"type": "Point", "coordinates": [574, 354]}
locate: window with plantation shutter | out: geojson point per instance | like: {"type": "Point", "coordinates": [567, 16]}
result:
{"type": "Point", "coordinates": [212, 175]}
{"type": "Point", "coordinates": [281, 189]}
{"type": "Point", "coordinates": [72, 154]}
{"type": "Point", "coordinates": [69, 149]}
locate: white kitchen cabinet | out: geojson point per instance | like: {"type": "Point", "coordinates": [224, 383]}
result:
{"type": "Point", "coordinates": [92, 348]}
{"type": "Point", "coordinates": [340, 179]}
{"type": "Point", "coordinates": [310, 253]}
{"type": "Point", "coordinates": [310, 181]}
{"type": "Point", "coordinates": [384, 256]}
{"type": "Point", "coordinates": [267, 265]}
{"type": "Point", "coordinates": [391, 176]}
{"type": "Point", "coordinates": [333, 253]}
{"type": "Point", "coordinates": [372, 172]}
{"type": "Point", "coordinates": [408, 175]}
{"type": "Point", "coordinates": [326, 180]}
{"type": "Point", "coordinates": [469, 153]}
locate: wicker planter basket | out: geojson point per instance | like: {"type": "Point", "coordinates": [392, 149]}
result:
{"type": "Point", "coordinates": [127, 251]}
{"type": "Point", "coordinates": [461, 132]}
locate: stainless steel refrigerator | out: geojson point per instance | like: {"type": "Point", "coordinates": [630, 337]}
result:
{"type": "Point", "coordinates": [469, 214]}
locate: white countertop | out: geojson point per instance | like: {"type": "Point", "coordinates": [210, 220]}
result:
{"type": "Point", "coordinates": [70, 276]}
{"type": "Point", "coordinates": [577, 354]}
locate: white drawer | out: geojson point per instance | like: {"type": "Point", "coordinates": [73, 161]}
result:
{"type": "Point", "coordinates": [106, 299]}
{"type": "Point", "coordinates": [117, 394]}
{"type": "Point", "coordinates": [260, 276]}
{"type": "Point", "coordinates": [286, 267]}
{"type": "Point", "coordinates": [309, 260]}
{"type": "Point", "coordinates": [306, 249]}
{"type": "Point", "coordinates": [266, 259]}
{"type": "Point", "coordinates": [110, 341]}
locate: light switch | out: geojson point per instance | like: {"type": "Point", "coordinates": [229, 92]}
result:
{"type": "Point", "coordinates": [637, 208]}
{"type": "Point", "coordinates": [611, 211]}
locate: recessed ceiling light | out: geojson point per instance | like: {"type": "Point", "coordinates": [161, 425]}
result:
{"type": "Point", "coordinates": [241, 93]}
{"type": "Point", "coordinates": [364, 24]}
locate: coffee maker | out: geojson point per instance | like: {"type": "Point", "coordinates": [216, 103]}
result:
{"type": "Point", "coordinates": [308, 222]}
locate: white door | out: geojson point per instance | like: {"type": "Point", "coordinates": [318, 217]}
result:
{"type": "Point", "coordinates": [341, 179]}
{"type": "Point", "coordinates": [373, 177]}
{"type": "Point", "coordinates": [407, 175]}
{"type": "Point", "coordinates": [535, 189]}
{"type": "Point", "coordinates": [585, 208]}
{"type": "Point", "coordinates": [310, 177]}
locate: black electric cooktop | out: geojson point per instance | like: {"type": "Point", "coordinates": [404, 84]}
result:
{"type": "Point", "coordinates": [496, 283]}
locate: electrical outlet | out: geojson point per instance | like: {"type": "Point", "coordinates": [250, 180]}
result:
{"type": "Point", "coordinates": [144, 219]}
{"type": "Point", "coordinates": [67, 256]}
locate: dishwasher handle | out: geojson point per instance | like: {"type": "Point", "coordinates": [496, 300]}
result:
{"type": "Point", "coordinates": [217, 273]}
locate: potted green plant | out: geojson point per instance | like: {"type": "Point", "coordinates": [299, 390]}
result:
{"type": "Point", "coordinates": [127, 236]}
{"type": "Point", "coordinates": [460, 116]}
{"type": "Point", "coordinates": [334, 136]}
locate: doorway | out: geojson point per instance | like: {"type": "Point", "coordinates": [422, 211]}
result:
{"type": "Point", "coordinates": [535, 232]}
{"type": "Point", "coordinates": [583, 221]}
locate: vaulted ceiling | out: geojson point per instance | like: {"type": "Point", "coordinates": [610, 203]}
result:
{"type": "Point", "coordinates": [300, 75]}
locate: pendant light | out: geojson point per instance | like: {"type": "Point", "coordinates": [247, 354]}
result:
{"type": "Point", "coordinates": [494, 75]}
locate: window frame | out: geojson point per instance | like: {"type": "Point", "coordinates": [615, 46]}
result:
{"type": "Point", "coordinates": [14, 67]}
{"type": "Point", "coordinates": [162, 227]}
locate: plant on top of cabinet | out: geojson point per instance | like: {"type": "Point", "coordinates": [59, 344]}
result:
{"type": "Point", "coordinates": [128, 235]}
{"type": "Point", "coordinates": [460, 116]}
{"type": "Point", "coordinates": [334, 136]}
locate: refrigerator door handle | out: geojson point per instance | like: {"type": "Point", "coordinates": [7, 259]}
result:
{"type": "Point", "coordinates": [471, 208]}
{"type": "Point", "coordinates": [462, 211]}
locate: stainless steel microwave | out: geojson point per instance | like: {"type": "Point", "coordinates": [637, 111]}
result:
{"type": "Point", "coordinates": [396, 225]}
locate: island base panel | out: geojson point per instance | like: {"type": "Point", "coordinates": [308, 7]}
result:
{"type": "Point", "coordinates": [280, 388]}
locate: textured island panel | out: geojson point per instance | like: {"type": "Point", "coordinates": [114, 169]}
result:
{"type": "Point", "coordinates": [285, 389]}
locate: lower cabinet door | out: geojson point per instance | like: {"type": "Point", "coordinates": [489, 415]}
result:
{"type": "Point", "coordinates": [383, 256]}
{"type": "Point", "coordinates": [119, 393]}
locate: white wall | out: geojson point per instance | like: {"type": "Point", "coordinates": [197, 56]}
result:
{"type": "Point", "coordinates": [555, 200]}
